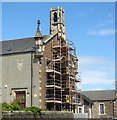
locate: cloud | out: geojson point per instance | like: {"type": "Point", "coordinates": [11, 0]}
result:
{"type": "Point", "coordinates": [101, 28]}
{"type": "Point", "coordinates": [102, 32]}
{"type": "Point", "coordinates": [100, 25]}
{"type": "Point", "coordinates": [96, 77]}
{"type": "Point", "coordinates": [96, 60]}
{"type": "Point", "coordinates": [106, 32]}
{"type": "Point", "coordinates": [92, 60]}
{"type": "Point", "coordinates": [109, 21]}
{"type": "Point", "coordinates": [96, 70]}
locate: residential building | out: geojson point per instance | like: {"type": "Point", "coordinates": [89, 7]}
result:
{"type": "Point", "coordinates": [86, 106]}
{"type": "Point", "coordinates": [104, 103]}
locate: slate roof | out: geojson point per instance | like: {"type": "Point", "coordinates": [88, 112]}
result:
{"type": "Point", "coordinates": [100, 95]}
{"type": "Point", "coordinates": [21, 45]}
{"type": "Point", "coordinates": [86, 98]}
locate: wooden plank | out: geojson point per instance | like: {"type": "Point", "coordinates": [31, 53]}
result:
{"type": "Point", "coordinates": [53, 86]}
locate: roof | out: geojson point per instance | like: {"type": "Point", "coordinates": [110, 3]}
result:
{"type": "Point", "coordinates": [86, 98]}
{"type": "Point", "coordinates": [17, 45]}
{"type": "Point", "coordinates": [22, 44]}
{"type": "Point", "coordinates": [100, 95]}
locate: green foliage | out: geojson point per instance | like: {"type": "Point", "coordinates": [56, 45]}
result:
{"type": "Point", "coordinates": [5, 106]}
{"type": "Point", "coordinates": [15, 105]}
{"type": "Point", "coordinates": [34, 109]}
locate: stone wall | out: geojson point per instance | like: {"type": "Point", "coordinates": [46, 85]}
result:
{"type": "Point", "coordinates": [95, 109]}
{"type": "Point", "coordinates": [108, 109]}
{"type": "Point", "coordinates": [44, 115]}
{"type": "Point", "coordinates": [23, 115]}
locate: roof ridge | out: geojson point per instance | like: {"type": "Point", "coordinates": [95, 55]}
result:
{"type": "Point", "coordinates": [97, 90]}
{"type": "Point", "coordinates": [21, 38]}
{"type": "Point", "coordinates": [15, 39]}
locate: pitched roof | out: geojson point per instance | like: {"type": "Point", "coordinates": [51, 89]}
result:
{"type": "Point", "coordinates": [86, 98]}
{"type": "Point", "coordinates": [21, 45]}
{"type": "Point", "coordinates": [100, 95]}
{"type": "Point", "coordinates": [17, 45]}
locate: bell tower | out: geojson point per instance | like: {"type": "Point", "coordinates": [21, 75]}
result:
{"type": "Point", "coordinates": [57, 22]}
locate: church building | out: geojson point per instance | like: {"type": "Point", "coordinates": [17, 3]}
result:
{"type": "Point", "coordinates": [42, 68]}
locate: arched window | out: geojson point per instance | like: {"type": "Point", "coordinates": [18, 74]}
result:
{"type": "Point", "coordinates": [55, 17]}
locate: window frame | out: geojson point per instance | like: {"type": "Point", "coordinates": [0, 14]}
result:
{"type": "Point", "coordinates": [103, 108]}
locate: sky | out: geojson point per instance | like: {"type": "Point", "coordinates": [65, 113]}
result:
{"type": "Point", "coordinates": [90, 25]}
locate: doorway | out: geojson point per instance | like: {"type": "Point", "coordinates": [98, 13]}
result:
{"type": "Point", "coordinates": [21, 94]}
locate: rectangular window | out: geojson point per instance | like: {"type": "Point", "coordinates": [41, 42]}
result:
{"type": "Point", "coordinates": [101, 108]}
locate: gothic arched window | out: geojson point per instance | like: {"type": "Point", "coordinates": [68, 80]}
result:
{"type": "Point", "coordinates": [55, 17]}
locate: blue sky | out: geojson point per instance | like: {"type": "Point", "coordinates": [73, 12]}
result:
{"type": "Point", "coordinates": [89, 25]}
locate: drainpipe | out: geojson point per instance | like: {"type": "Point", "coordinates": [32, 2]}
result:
{"type": "Point", "coordinates": [113, 108]}
{"type": "Point", "coordinates": [31, 76]}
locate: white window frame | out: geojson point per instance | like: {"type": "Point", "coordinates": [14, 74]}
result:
{"type": "Point", "coordinates": [99, 109]}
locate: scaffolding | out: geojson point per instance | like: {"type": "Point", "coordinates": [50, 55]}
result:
{"type": "Point", "coordinates": [61, 70]}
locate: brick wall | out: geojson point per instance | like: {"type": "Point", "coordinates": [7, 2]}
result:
{"type": "Point", "coordinates": [47, 54]}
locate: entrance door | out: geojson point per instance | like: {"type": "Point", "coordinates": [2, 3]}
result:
{"type": "Point", "coordinates": [21, 94]}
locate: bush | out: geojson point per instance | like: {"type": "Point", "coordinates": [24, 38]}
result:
{"type": "Point", "coordinates": [5, 106]}
{"type": "Point", "coordinates": [15, 105]}
{"type": "Point", "coordinates": [34, 109]}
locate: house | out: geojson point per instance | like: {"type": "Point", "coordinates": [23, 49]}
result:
{"type": "Point", "coordinates": [85, 107]}
{"type": "Point", "coordinates": [104, 103]}
{"type": "Point", "coordinates": [42, 68]}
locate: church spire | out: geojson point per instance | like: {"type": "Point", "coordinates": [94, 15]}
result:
{"type": "Point", "coordinates": [38, 33]}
